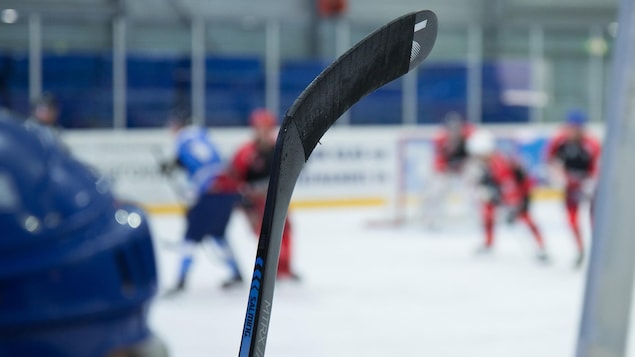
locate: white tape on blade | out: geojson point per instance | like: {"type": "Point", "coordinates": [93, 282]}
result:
{"type": "Point", "coordinates": [414, 51]}
{"type": "Point", "coordinates": [421, 25]}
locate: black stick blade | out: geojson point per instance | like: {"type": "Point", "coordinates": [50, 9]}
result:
{"type": "Point", "coordinates": [381, 57]}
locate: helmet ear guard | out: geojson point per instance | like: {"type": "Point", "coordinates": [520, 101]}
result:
{"type": "Point", "coordinates": [77, 269]}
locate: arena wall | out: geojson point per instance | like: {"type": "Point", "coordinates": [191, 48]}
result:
{"type": "Point", "coordinates": [352, 166]}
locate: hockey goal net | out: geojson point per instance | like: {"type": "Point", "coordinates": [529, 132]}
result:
{"type": "Point", "coordinates": [423, 197]}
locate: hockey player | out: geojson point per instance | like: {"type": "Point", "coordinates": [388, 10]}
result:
{"type": "Point", "coordinates": [574, 154]}
{"type": "Point", "coordinates": [46, 110]}
{"type": "Point", "coordinates": [450, 155]}
{"type": "Point", "coordinates": [77, 267]}
{"type": "Point", "coordinates": [450, 151]}
{"type": "Point", "coordinates": [45, 115]}
{"type": "Point", "coordinates": [251, 165]}
{"type": "Point", "coordinates": [503, 183]}
{"type": "Point", "coordinates": [215, 195]}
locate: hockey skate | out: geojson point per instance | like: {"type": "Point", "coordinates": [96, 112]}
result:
{"type": "Point", "coordinates": [579, 261]}
{"type": "Point", "coordinates": [176, 290]}
{"type": "Point", "coordinates": [543, 257]}
{"type": "Point", "coordinates": [484, 250]}
{"type": "Point", "coordinates": [232, 282]}
{"type": "Point", "coordinates": [289, 276]}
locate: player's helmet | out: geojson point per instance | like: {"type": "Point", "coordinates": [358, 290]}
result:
{"type": "Point", "coordinates": [453, 119]}
{"type": "Point", "coordinates": [481, 143]}
{"type": "Point", "coordinates": [77, 269]}
{"type": "Point", "coordinates": [454, 123]}
{"type": "Point", "coordinates": [179, 117]}
{"type": "Point", "coordinates": [262, 118]}
{"type": "Point", "coordinates": [46, 100]}
{"type": "Point", "coordinates": [576, 117]}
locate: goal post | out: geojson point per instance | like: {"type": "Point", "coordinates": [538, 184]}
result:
{"type": "Point", "coordinates": [609, 282]}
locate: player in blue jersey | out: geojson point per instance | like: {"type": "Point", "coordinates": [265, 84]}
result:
{"type": "Point", "coordinates": [215, 195]}
{"type": "Point", "coordinates": [77, 266]}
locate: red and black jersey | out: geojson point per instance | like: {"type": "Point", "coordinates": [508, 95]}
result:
{"type": "Point", "coordinates": [507, 179]}
{"type": "Point", "coordinates": [252, 163]}
{"type": "Point", "coordinates": [579, 157]}
{"type": "Point", "coordinates": [524, 181]}
{"type": "Point", "coordinates": [450, 153]}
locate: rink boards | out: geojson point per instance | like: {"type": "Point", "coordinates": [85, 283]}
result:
{"type": "Point", "coordinates": [353, 166]}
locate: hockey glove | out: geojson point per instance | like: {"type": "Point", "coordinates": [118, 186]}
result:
{"type": "Point", "coordinates": [167, 167]}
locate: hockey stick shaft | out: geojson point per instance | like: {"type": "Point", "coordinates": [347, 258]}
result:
{"type": "Point", "coordinates": [383, 56]}
{"type": "Point", "coordinates": [178, 191]}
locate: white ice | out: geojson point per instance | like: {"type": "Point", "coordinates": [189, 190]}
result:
{"type": "Point", "coordinates": [383, 291]}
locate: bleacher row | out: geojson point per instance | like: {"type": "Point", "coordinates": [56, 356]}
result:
{"type": "Point", "coordinates": [235, 85]}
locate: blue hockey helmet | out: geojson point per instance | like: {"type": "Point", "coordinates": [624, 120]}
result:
{"type": "Point", "coordinates": [576, 117]}
{"type": "Point", "coordinates": [77, 268]}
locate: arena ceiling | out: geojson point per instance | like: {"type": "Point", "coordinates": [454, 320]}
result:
{"type": "Point", "coordinates": [485, 11]}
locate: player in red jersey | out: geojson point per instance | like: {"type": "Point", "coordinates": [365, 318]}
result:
{"type": "Point", "coordinates": [575, 154]}
{"type": "Point", "coordinates": [503, 183]}
{"type": "Point", "coordinates": [251, 165]}
{"type": "Point", "coordinates": [449, 160]}
{"type": "Point", "coordinates": [450, 151]}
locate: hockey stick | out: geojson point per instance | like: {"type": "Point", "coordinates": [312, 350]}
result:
{"type": "Point", "coordinates": [178, 191]}
{"type": "Point", "coordinates": [383, 56]}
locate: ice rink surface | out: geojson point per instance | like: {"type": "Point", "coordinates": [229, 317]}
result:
{"type": "Point", "coordinates": [383, 291]}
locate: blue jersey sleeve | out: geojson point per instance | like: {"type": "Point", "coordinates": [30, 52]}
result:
{"type": "Point", "coordinates": [199, 157]}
